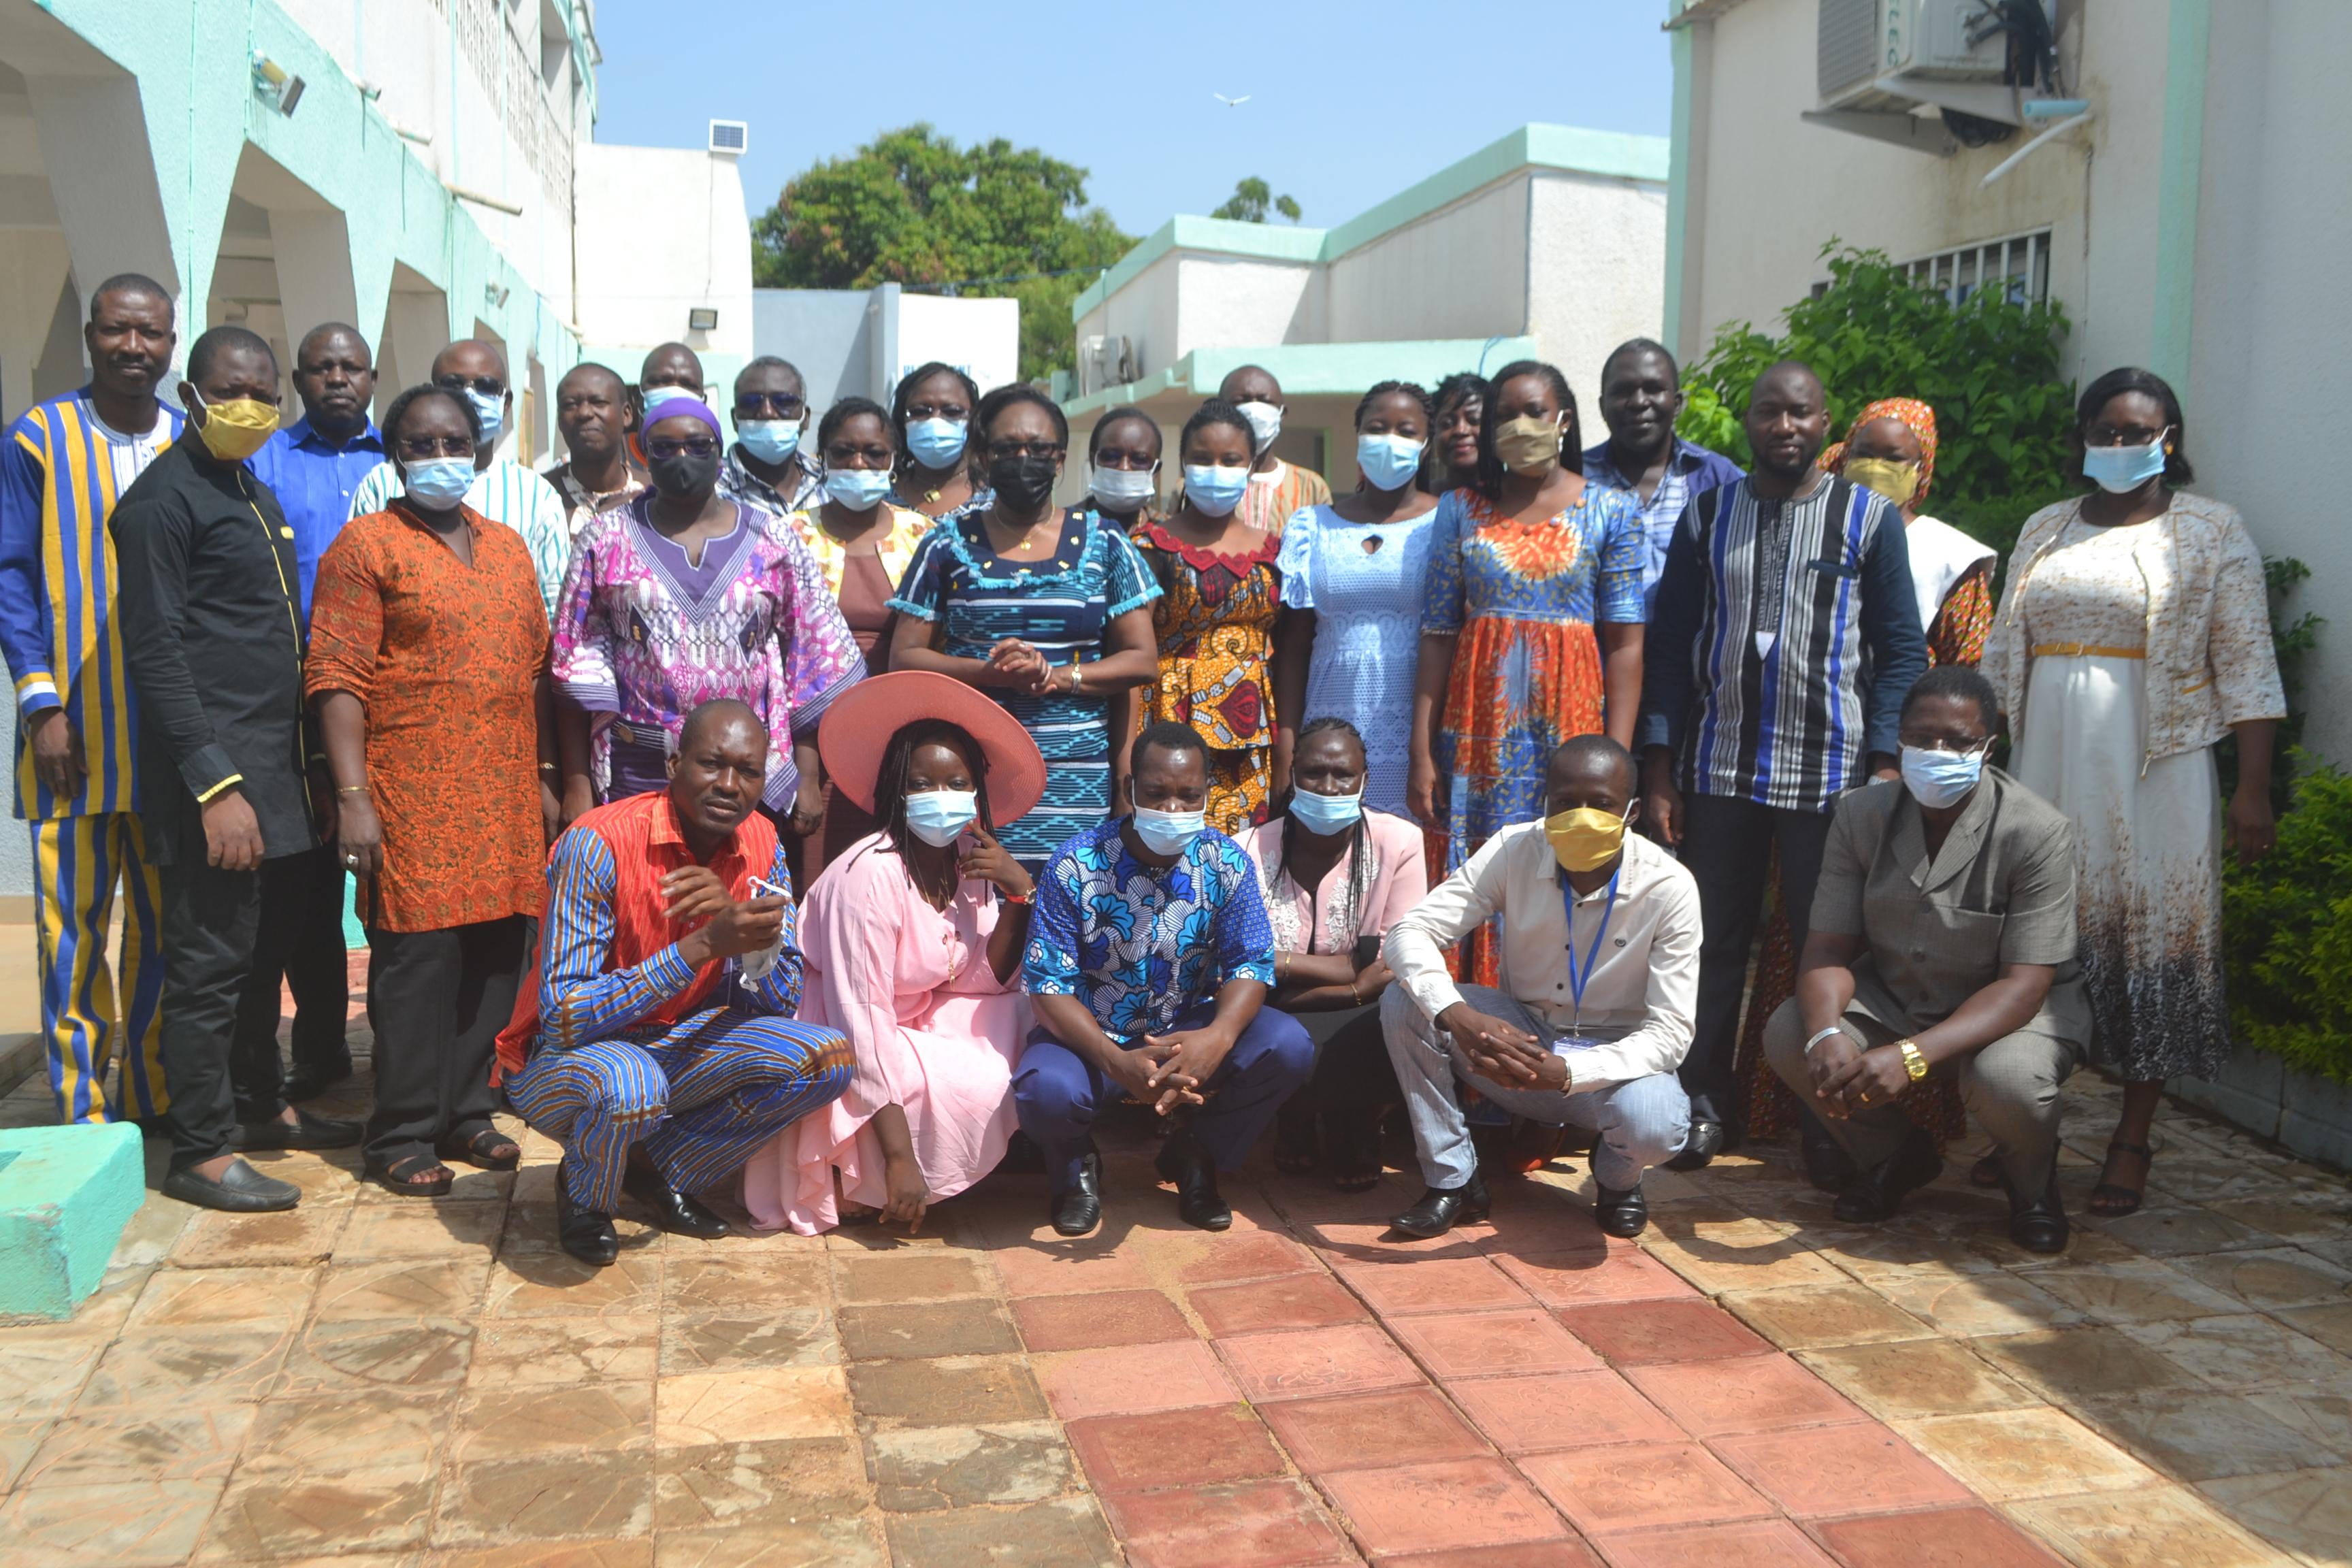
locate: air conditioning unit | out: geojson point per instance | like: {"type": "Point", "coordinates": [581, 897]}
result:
{"type": "Point", "coordinates": [730, 137]}
{"type": "Point", "coordinates": [1881, 65]}
{"type": "Point", "coordinates": [1107, 361]}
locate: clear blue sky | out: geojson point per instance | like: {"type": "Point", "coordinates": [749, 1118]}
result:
{"type": "Point", "coordinates": [1349, 103]}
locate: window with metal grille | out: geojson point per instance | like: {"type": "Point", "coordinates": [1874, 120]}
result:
{"type": "Point", "coordinates": [2018, 264]}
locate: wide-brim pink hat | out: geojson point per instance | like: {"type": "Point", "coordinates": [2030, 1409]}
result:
{"type": "Point", "coordinates": [857, 728]}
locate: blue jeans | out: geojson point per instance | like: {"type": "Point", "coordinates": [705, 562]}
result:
{"type": "Point", "coordinates": [1642, 1121]}
{"type": "Point", "coordinates": [1056, 1091]}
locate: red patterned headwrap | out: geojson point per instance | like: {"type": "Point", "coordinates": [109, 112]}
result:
{"type": "Point", "coordinates": [1917, 415]}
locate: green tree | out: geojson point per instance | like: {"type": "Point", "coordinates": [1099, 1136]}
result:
{"type": "Point", "coordinates": [1988, 366]}
{"type": "Point", "coordinates": [912, 207]}
{"type": "Point", "coordinates": [1250, 200]}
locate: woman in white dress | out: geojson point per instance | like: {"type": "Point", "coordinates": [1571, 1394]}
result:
{"type": "Point", "coordinates": [1352, 578]}
{"type": "Point", "coordinates": [2133, 633]}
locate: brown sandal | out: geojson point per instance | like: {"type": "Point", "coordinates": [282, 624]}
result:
{"type": "Point", "coordinates": [2111, 1200]}
{"type": "Point", "coordinates": [401, 1176]}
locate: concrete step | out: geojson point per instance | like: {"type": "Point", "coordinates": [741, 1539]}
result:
{"type": "Point", "coordinates": [65, 1193]}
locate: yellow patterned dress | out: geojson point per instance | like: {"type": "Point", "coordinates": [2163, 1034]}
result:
{"type": "Point", "coordinates": [1215, 624]}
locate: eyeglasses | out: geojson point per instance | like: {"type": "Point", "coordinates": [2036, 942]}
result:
{"type": "Point", "coordinates": [694, 445]}
{"type": "Point", "coordinates": [1938, 743]}
{"type": "Point", "coordinates": [956, 412]}
{"type": "Point", "coordinates": [2122, 434]}
{"type": "Point", "coordinates": [1024, 448]}
{"type": "Point", "coordinates": [772, 405]}
{"type": "Point", "coordinates": [424, 447]}
{"type": "Point", "coordinates": [488, 385]}
{"type": "Point", "coordinates": [1125, 462]}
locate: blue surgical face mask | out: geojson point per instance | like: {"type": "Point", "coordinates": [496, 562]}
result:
{"type": "Point", "coordinates": [1390, 462]}
{"type": "Point", "coordinates": [1941, 778]}
{"type": "Point", "coordinates": [1169, 832]}
{"type": "Point", "coordinates": [439, 483]}
{"type": "Point", "coordinates": [1326, 813]}
{"type": "Point", "coordinates": [936, 444]}
{"type": "Point", "coordinates": [658, 395]}
{"type": "Point", "coordinates": [2123, 469]}
{"type": "Point", "coordinates": [490, 411]}
{"type": "Point", "coordinates": [939, 817]}
{"type": "Point", "coordinates": [857, 488]}
{"type": "Point", "coordinates": [769, 440]}
{"type": "Point", "coordinates": [1214, 492]}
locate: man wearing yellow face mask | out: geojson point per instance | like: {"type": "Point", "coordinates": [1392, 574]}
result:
{"type": "Point", "coordinates": [212, 635]}
{"type": "Point", "coordinates": [1600, 983]}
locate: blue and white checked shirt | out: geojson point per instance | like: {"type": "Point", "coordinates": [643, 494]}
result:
{"type": "Point", "coordinates": [1691, 472]}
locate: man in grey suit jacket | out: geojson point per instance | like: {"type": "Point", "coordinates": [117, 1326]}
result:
{"type": "Point", "coordinates": [1942, 940]}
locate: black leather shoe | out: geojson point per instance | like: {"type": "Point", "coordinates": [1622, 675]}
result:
{"type": "Point", "coordinates": [674, 1210]}
{"type": "Point", "coordinates": [1827, 1164]}
{"type": "Point", "coordinates": [1079, 1210]}
{"type": "Point", "coordinates": [1621, 1214]}
{"type": "Point", "coordinates": [240, 1189]}
{"type": "Point", "coordinates": [308, 1084]}
{"type": "Point", "coordinates": [1875, 1194]}
{"type": "Point", "coordinates": [1442, 1208]}
{"type": "Point", "coordinates": [305, 1131]}
{"type": "Point", "coordinates": [1182, 1160]}
{"type": "Point", "coordinates": [2039, 1225]}
{"type": "Point", "coordinates": [1707, 1139]}
{"type": "Point", "coordinates": [583, 1233]}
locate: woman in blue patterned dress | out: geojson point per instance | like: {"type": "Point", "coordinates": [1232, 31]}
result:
{"type": "Point", "coordinates": [1043, 608]}
{"type": "Point", "coordinates": [1531, 627]}
{"type": "Point", "coordinates": [1351, 597]}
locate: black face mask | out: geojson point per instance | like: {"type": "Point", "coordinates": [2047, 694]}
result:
{"type": "Point", "coordinates": [1027, 481]}
{"type": "Point", "coordinates": [683, 474]}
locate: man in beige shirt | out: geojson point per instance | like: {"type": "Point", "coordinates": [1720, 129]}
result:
{"type": "Point", "coordinates": [1942, 941]}
{"type": "Point", "coordinates": [1599, 971]}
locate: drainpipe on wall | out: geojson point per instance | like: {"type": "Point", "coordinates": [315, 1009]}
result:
{"type": "Point", "coordinates": [2177, 190]}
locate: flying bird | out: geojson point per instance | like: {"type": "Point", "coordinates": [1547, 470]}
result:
{"type": "Point", "coordinates": [1231, 102]}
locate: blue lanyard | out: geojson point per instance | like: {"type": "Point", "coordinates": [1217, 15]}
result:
{"type": "Point", "coordinates": [1576, 982]}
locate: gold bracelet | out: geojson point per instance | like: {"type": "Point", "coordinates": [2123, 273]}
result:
{"type": "Point", "coordinates": [1913, 1062]}
{"type": "Point", "coordinates": [351, 789]}
{"type": "Point", "coordinates": [1077, 676]}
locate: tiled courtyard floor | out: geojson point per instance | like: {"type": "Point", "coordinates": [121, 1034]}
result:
{"type": "Point", "coordinates": [371, 1381]}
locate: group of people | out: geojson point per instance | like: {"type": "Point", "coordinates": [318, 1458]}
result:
{"type": "Point", "coordinates": [835, 812]}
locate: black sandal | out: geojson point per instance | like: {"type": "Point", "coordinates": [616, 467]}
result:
{"type": "Point", "coordinates": [399, 1177]}
{"type": "Point", "coordinates": [2119, 1201]}
{"type": "Point", "coordinates": [488, 1150]}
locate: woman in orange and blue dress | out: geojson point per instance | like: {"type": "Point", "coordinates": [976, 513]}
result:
{"type": "Point", "coordinates": [1222, 593]}
{"type": "Point", "coordinates": [1530, 627]}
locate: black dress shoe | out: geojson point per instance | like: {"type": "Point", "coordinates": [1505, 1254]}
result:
{"type": "Point", "coordinates": [305, 1131]}
{"type": "Point", "coordinates": [1184, 1162]}
{"type": "Point", "coordinates": [240, 1189]}
{"type": "Point", "coordinates": [1876, 1194]}
{"type": "Point", "coordinates": [1442, 1208]}
{"type": "Point", "coordinates": [1621, 1214]}
{"type": "Point", "coordinates": [308, 1084]}
{"type": "Point", "coordinates": [1707, 1139]}
{"type": "Point", "coordinates": [583, 1233]}
{"type": "Point", "coordinates": [1079, 1210]}
{"type": "Point", "coordinates": [2039, 1224]}
{"type": "Point", "coordinates": [674, 1210]}
{"type": "Point", "coordinates": [1827, 1164]}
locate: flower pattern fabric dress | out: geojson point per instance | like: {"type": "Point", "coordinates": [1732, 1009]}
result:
{"type": "Point", "coordinates": [1521, 600]}
{"type": "Point", "coordinates": [1216, 634]}
{"type": "Point", "coordinates": [1364, 582]}
{"type": "Point", "coordinates": [934, 1031]}
{"type": "Point", "coordinates": [1062, 605]}
{"type": "Point", "coordinates": [638, 645]}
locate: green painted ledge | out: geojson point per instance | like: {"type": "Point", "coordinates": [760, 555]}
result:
{"type": "Point", "coordinates": [1314, 370]}
{"type": "Point", "coordinates": [65, 1193]}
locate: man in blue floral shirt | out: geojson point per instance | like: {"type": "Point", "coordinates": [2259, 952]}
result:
{"type": "Point", "coordinates": [1148, 964]}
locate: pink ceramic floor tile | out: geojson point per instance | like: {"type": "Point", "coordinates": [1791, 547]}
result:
{"type": "Point", "coordinates": [1254, 1255]}
{"type": "Point", "coordinates": [1129, 1380]}
{"type": "Point", "coordinates": [1293, 1301]}
{"type": "Point", "coordinates": [1491, 1344]}
{"type": "Point", "coordinates": [1743, 1393]}
{"type": "Point", "coordinates": [1576, 1278]}
{"type": "Point", "coordinates": [1366, 1431]}
{"type": "Point", "coordinates": [1097, 1317]}
{"type": "Point", "coordinates": [1640, 1333]}
{"type": "Point", "coordinates": [1257, 1524]}
{"type": "Point", "coordinates": [1562, 1410]}
{"type": "Point", "coordinates": [1642, 1486]}
{"type": "Point", "coordinates": [1062, 1268]}
{"type": "Point", "coordinates": [1973, 1537]}
{"type": "Point", "coordinates": [1350, 1359]}
{"type": "Point", "coordinates": [1756, 1544]}
{"type": "Point", "coordinates": [1434, 1285]}
{"type": "Point", "coordinates": [1823, 1470]}
{"type": "Point", "coordinates": [1201, 1446]}
{"type": "Point", "coordinates": [1454, 1505]}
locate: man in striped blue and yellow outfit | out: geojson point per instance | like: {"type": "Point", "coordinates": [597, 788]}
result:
{"type": "Point", "coordinates": [62, 465]}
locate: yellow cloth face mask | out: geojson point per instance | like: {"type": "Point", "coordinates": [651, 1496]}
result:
{"type": "Point", "coordinates": [236, 429]}
{"type": "Point", "coordinates": [1586, 838]}
{"type": "Point", "coordinates": [1528, 444]}
{"type": "Point", "coordinates": [1898, 482]}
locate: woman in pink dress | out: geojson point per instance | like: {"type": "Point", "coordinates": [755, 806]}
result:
{"type": "Point", "coordinates": [912, 940]}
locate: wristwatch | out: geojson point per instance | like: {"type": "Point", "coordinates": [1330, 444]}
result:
{"type": "Point", "coordinates": [1913, 1062]}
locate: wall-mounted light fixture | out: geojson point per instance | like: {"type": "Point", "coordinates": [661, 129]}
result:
{"type": "Point", "coordinates": [494, 295]}
{"type": "Point", "coordinates": [278, 87]}
{"type": "Point", "coordinates": [702, 320]}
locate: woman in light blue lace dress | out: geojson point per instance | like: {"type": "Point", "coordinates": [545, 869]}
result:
{"type": "Point", "coordinates": [1352, 583]}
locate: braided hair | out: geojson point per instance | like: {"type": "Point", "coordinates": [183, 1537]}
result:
{"type": "Point", "coordinates": [1360, 869]}
{"type": "Point", "coordinates": [1380, 389]}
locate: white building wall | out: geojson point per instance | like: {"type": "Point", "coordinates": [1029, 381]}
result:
{"type": "Point", "coordinates": [636, 295]}
{"type": "Point", "coordinates": [1144, 312]}
{"type": "Point", "coordinates": [1381, 292]}
{"type": "Point", "coordinates": [980, 337]}
{"type": "Point", "coordinates": [1597, 259]}
{"type": "Point", "coordinates": [1222, 301]}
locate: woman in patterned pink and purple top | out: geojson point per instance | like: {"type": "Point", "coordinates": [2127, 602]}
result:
{"type": "Point", "coordinates": [682, 595]}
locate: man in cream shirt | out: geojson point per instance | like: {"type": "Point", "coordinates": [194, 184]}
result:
{"type": "Point", "coordinates": [1600, 970]}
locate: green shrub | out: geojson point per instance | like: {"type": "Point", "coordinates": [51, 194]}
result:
{"type": "Point", "coordinates": [1988, 366]}
{"type": "Point", "coordinates": [2286, 925]}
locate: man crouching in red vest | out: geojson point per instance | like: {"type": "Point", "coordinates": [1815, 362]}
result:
{"type": "Point", "coordinates": [668, 978]}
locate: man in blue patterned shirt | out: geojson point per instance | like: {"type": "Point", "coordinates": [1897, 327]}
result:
{"type": "Point", "coordinates": [1149, 960]}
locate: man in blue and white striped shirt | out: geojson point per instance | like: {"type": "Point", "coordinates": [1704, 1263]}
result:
{"type": "Point", "coordinates": [1785, 634]}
